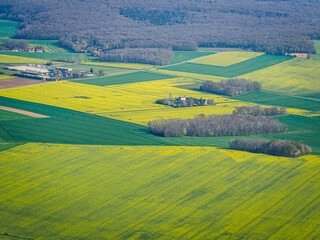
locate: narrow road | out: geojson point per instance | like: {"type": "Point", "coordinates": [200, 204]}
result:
{"type": "Point", "coordinates": [295, 96]}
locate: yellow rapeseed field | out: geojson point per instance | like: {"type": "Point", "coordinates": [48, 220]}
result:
{"type": "Point", "coordinates": [133, 102]}
{"type": "Point", "coordinates": [226, 58]}
{"type": "Point", "coordinates": [296, 76]}
{"type": "Point", "coordinates": [190, 75]}
{"type": "Point", "coordinates": [51, 191]}
{"type": "Point", "coordinates": [137, 66]}
{"type": "Point", "coordinates": [15, 59]}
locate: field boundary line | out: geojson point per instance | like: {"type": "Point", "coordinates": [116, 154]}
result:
{"type": "Point", "coordinates": [23, 112]}
{"type": "Point", "coordinates": [289, 95]}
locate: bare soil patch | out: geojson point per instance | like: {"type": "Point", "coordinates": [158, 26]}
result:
{"type": "Point", "coordinates": [18, 82]}
{"type": "Point", "coordinates": [27, 113]}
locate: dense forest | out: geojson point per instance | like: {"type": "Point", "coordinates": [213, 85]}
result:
{"type": "Point", "coordinates": [231, 87]}
{"type": "Point", "coordinates": [260, 111]}
{"type": "Point", "coordinates": [277, 27]}
{"type": "Point", "coordinates": [216, 125]}
{"type": "Point", "coordinates": [272, 147]}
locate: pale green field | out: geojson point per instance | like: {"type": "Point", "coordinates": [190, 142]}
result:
{"type": "Point", "coordinates": [317, 46]}
{"type": "Point", "coordinates": [5, 76]}
{"type": "Point", "coordinates": [14, 59]}
{"type": "Point", "coordinates": [108, 192]}
{"type": "Point", "coordinates": [227, 58]}
{"type": "Point", "coordinates": [297, 76]}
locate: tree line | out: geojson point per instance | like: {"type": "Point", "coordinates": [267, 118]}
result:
{"type": "Point", "coordinates": [283, 148]}
{"type": "Point", "coordinates": [155, 56]}
{"type": "Point", "coordinates": [186, 102]}
{"type": "Point", "coordinates": [216, 125]}
{"type": "Point", "coordinates": [15, 44]}
{"type": "Point", "coordinates": [260, 111]}
{"type": "Point", "coordinates": [231, 87]}
{"type": "Point", "coordinates": [276, 27]}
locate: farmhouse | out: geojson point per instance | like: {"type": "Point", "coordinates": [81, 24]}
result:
{"type": "Point", "coordinates": [31, 49]}
{"type": "Point", "coordinates": [182, 99]}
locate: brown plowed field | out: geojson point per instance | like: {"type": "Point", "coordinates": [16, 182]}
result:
{"type": "Point", "coordinates": [17, 82]}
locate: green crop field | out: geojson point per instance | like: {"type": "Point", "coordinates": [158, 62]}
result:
{"type": "Point", "coordinates": [180, 56]}
{"type": "Point", "coordinates": [317, 46]}
{"type": "Point", "coordinates": [7, 115]}
{"type": "Point", "coordinates": [125, 78]}
{"type": "Point", "coordinates": [123, 192]}
{"type": "Point", "coordinates": [67, 126]}
{"type": "Point", "coordinates": [49, 46]}
{"type": "Point", "coordinates": [275, 99]}
{"type": "Point", "coordinates": [234, 70]}
{"type": "Point", "coordinates": [8, 28]}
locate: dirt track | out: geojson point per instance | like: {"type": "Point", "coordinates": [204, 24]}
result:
{"type": "Point", "coordinates": [31, 114]}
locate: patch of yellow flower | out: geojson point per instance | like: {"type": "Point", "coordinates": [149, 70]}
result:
{"type": "Point", "coordinates": [15, 59]}
{"type": "Point", "coordinates": [135, 102]}
{"type": "Point", "coordinates": [226, 58]}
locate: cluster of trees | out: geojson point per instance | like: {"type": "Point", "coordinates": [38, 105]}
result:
{"type": "Point", "coordinates": [216, 125]}
{"type": "Point", "coordinates": [12, 44]}
{"type": "Point", "coordinates": [260, 111]}
{"type": "Point", "coordinates": [186, 102]}
{"type": "Point", "coordinates": [277, 27]}
{"type": "Point", "coordinates": [231, 87]}
{"type": "Point", "coordinates": [156, 56]}
{"type": "Point", "coordinates": [272, 147]}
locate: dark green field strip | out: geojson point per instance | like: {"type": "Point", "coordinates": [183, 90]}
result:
{"type": "Point", "coordinates": [44, 55]}
{"type": "Point", "coordinates": [234, 70]}
{"type": "Point", "coordinates": [271, 98]}
{"type": "Point", "coordinates": [96, 68]}
{"type": "Point", "coordinates": [7, 115]}
{"type": "Point", "coordinates": [68, 126]}
{"type": "Point", "coordinates": [5, 136]}
{"type": "Point", "coordinates": [8, 28]}
{"type": "Point", "coordinates": [125, 78]}
{"type": "Point", "coordinates": [181, 56]}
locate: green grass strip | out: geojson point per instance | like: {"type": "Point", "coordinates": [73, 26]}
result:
{"type": "Point", "coordinates": [124, 79]}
